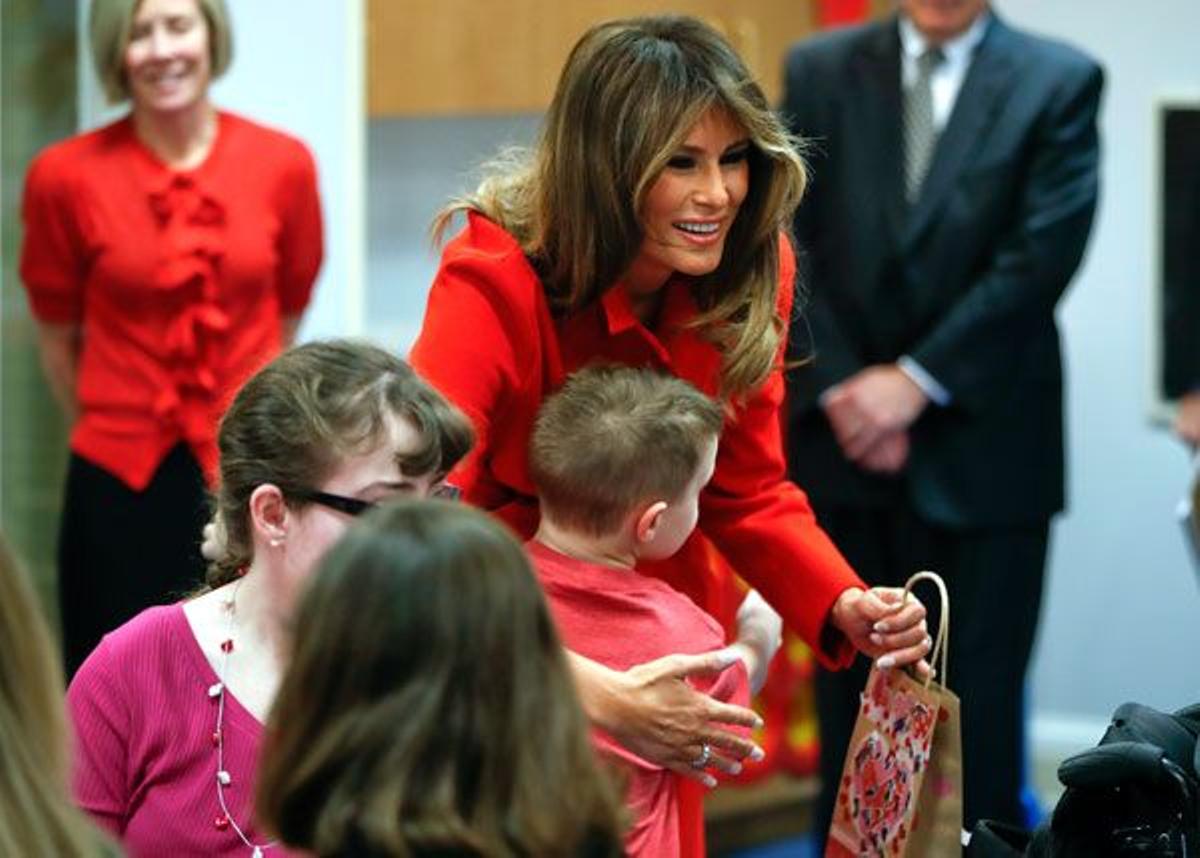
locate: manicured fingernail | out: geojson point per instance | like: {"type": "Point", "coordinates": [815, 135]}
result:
{"type": "Point", "coordinates": [735, 768]}
{"type": "Point", "coordinates": [886, 662]}
{"type": "Point", "coordinates": [726, 657]}
{"type": "Point", "coordinates": [877, 639]}
{"type": "Point", "coordinates": [880, 626]}
{"type": "Point", "coordinates": [758, 754]}
{"type": "Point", "coordinates": [709, 781]}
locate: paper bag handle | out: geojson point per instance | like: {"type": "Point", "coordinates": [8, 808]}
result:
{"type": "Point", "coordinates": [939, 658]}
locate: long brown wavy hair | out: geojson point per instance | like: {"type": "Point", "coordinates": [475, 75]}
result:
{"type": "Point", "coordinates": [428, 705]}
{"type": "Point", "coordinates": [629, 95]}
{"type": "Point", "coordinates": [37, 816]}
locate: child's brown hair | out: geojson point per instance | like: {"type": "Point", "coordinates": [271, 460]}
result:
{"type": "Point", "coordinates": [614, 437]}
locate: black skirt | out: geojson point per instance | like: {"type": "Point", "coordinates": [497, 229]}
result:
{"type": "Point", "coordinates": [121, 551]}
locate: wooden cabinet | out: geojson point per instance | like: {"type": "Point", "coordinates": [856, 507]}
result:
{"type": "Point", "coordinates": [471, 57]}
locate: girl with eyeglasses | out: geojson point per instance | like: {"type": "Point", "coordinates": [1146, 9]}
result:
{"type": "Point", "coordinates": [169, 708]}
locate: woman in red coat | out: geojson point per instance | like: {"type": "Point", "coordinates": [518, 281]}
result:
{"type": "Point", "coordinates": [167, 256]}
{"type": "Point", "coordinates": [647, 228]}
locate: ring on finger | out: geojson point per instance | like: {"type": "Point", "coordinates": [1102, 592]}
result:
{"type": "Point", "coordinates": [702, 761]}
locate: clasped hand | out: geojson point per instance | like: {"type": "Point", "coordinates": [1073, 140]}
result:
{"type": "Point", "coordinates": [870, 413]}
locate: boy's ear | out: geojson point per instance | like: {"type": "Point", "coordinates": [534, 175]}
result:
{"type": "Point", "coordinates": [269, 513]}
{"type": "Point", "coordinates": [646, 524]}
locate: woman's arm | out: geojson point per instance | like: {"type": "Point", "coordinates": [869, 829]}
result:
{"type": "Point", "coordinates": [765, 526]}
{"type": "Point", "coordinates": [479, 340]}
{"type": "Point", "coordinates": [59, 345]}
{"type": "Point", "coordinates": [654, 713]}
{"type": "Point", "coordinates": [301, 240]}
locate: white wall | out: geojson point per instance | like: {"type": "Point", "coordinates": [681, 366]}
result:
{"type": "Point", "coordinates": [1122, 614]}
{"type": "Point", "coordinates": [298, 65]}
{"type": "Point", "coordinates": [416, 166]}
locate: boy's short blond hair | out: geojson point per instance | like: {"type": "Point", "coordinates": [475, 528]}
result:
{"type": "Point", "coordinates": [613, 438]}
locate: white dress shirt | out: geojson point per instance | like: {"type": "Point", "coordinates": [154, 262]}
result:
{"type": "Point", "coordinates": [947, 78]}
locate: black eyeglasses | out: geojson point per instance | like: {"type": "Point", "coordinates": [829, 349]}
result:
{"type": "Point", "coordinates": [357, 506]}
{"type": "Point", "coordinates": [350, 506]}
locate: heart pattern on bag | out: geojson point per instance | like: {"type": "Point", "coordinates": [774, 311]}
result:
{"type": "Point", "coordinates": [878, 789]}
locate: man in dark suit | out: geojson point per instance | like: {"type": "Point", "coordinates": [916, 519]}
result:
{"type": "Point", "coordinates": [954, 163]}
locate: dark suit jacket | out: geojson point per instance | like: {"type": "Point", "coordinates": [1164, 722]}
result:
{"type": "Point", "coordinates": [1181, 261]}
{"type": "Point", "coordinates": [965, 282]}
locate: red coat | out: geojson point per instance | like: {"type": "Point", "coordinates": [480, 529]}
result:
{"type": "Point", "coordinates": [178, 279]}
{"type": "Point", "coordinates": [490, 345]}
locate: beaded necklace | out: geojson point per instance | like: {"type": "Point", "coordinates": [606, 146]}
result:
{"type": "Point", "coordinates": [217, 691]}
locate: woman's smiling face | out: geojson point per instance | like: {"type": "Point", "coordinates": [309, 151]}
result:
{"type": "Point", "coordinates": [167, 58]}
{"type": "Point", "coordinates": [687, 212]}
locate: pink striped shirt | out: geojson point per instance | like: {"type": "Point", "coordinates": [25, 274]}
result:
{"type": "Point", "coordinates": [145, 764]}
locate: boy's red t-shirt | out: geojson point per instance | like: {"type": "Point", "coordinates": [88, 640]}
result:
{"type": "Point", "coordinates": [620, 619]}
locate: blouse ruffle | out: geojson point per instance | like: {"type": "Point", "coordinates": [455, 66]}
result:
{"type": "Point", "coordinates": [192, 227]}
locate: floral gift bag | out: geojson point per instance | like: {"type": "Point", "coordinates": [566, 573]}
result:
{"type": "Point", "coordinates": [901, 789]}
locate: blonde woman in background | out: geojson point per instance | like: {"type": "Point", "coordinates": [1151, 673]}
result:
{"type": "Point", "coordinates": [167, 256]}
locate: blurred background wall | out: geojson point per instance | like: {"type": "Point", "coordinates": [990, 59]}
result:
{"type": "Point", "coordinates": [38, 59]}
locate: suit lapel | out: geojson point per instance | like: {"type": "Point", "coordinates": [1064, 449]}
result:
{"type": "Point", "coordinates": [875, 118]}
{"type": "Point", "coordinates": [975, 110]}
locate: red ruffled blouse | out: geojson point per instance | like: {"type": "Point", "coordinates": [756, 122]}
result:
{"type": "Point", "coordinates": [180, 280]}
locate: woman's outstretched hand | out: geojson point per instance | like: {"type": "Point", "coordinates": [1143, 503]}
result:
{"type": "Point", "coordinates": [651, 710]}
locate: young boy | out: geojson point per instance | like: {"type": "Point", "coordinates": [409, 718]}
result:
{"type": "Point", "coordinates": [619, 457]}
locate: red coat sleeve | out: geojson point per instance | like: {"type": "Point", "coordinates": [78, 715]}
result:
{"type": "Point", "coordinates": [763, 523]}
{"type": "Point", "coordinates": [468, 348]}
{"type": "Point", "coordinates": [53, 259]}
{"type": "Point", "coordinates": [301, 240]}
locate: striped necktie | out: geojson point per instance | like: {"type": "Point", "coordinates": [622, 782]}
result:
{"type": "Point", "coordinates": [920, 136]}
